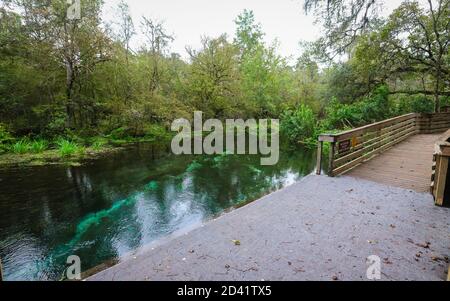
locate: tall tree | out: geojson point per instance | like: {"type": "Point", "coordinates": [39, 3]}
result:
{"type": "Point", "coordinates": [158, 40]}
{"type": "Point", "coordinates": [343, 21]}
{"type": "Point", "coordinates": [414, 42]}
{"type": "Point", "coordinates": [126, 29]}
{"type": "Point", "coordinates": [248, 33]}
{"type": "Point", "coordinates": [213, 77]}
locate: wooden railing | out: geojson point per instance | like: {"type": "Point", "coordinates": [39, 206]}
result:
{"type": "Point", "coordinates": [440, 176]}
{"type": "Point", "coordinates": [351, 148]}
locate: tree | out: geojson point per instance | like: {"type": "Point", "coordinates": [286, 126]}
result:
{"type": "Point", "coordinates": [157, 42]}
{"type": "Point", "coordinates": [414, 42]}
{"type": "Point", "coordinates": [126, 27]}
{"type": "Point", "coordinates": [213, 77]}
{"type": "Point", "coordinates": [248, 33]}
{"type": "Point", "coordinates": [426, 47]}
{"type": "Point", "coordinates": [343, 21]}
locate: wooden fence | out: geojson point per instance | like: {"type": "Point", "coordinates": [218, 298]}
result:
{"type": "Point", "coordinates": [351, 148]}
{"type": "Point", "coordinates": [440, 176]}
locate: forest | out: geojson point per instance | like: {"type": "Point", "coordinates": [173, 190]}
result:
{"type": "Point", "coordinates": [75, 84]}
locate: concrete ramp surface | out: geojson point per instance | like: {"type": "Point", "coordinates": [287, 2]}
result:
{"type": "Point", "coordinates": [318, 229]}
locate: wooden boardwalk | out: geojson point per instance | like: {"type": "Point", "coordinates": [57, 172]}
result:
{"type": "Point", "coordinates": [406, 165]}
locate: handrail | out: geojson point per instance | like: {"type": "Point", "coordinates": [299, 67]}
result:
{"type": "Point", "coordinates": [441, 159]}
{"type": "Point", "coordinates": [334, 137]}
{"type": "Point", "coordinates": [354, 147]}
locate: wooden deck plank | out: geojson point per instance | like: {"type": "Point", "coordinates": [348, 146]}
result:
{"type": "Point", "coordinates": [406, 165]}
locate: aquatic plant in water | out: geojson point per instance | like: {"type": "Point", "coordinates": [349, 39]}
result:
{"type": "Point", "coordinates": [193, 166]}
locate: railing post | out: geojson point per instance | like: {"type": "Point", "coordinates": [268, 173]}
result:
{"type": "Point", "coordinates": [331, 159]}
{"type": "Point", "coordinates": [319, 157]}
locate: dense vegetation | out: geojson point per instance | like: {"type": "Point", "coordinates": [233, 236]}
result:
{"type": "Point", "coordinates": [68, 83]}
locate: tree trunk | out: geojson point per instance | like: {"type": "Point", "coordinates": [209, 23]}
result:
{"type": "Point", "coordinates": [69, 89]}
{"type": "Point", "coordinates": [437, 104]}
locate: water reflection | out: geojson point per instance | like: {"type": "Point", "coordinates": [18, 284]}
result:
{"type": "Point", "coordinates": [112, 206]}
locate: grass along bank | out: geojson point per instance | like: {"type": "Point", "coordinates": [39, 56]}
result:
{"type": "Point", "coordinates": [26, 152]}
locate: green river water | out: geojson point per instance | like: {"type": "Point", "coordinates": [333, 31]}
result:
{"type": "Point", "coordinates": [115, 205]}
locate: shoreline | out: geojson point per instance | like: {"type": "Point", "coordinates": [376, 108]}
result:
{"type": "Point", "coordinates": [53, 157]}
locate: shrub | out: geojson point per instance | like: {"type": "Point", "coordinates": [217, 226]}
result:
{"type": "Point", "coordinates": [68, 148]}
{"type": "Point", "coordinates": [21, 147]}
{"type": "Point", "coordinates": [5, 135]}
{"type": "Point", "coordinates": [415, 104]}
{"type": "Point", "coordinates": [5, 138]}
{"type": "Point", "coordinates": [299, 125]}
{"type": "Point", "coordinates": [155, 132]}
{"type": "Point", "coordinates": [38, 146]}
{"type": "Point", "coordinates": [339, 116]}
{"type": "Point", "coordinates": [98, 144]}
{"type": "Point", "coordinates": [120, 133]}
{"type": "Point", "coordinates": [375, 107]}
{"type": "Point", "coordinates": [368, 110]}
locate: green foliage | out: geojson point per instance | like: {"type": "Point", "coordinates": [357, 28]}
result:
{"type": "Point", "coordinates": [98, 143]}
{"type": "Point", "coordinates": [156, 133]}
{"type": "Point", "coordinates": [126, 94]}
{"type": "Point", "coordinates": [21, 147]}
{"type": "Point", "coordinates": [414, 104]}
{"type": "Point", "coordinates": [38, 146]}
{"type": "Point", "coordinates": [370, 109]}
{"type": "Point", "coordinates": [298, 125]}
{"type": "Point", "coordinates": [69, 148]}
{"type": "Point", "coordinates": [248, 33]}
{"type": "Point", "coordinates": [5, 138]}
{"type": "Point", "coordinates": [120, 133]}
{"type": "Point", "coordinates": [213, 78]}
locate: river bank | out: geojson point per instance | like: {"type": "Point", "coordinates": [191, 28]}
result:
{"type": "Point", "coordinates": [54, 157]}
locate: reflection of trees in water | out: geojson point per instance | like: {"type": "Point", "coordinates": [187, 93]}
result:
{"type": "Point", "coordinates": [238, 179]}
{"type": "Point", "coordinates": [48, 203]}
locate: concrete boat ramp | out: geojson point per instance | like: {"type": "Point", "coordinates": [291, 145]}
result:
{"type": "Point", "coordinates": [320, 228]}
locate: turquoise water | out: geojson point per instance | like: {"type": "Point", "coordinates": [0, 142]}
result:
{"type": "Point", "coordinates": [112, 206]}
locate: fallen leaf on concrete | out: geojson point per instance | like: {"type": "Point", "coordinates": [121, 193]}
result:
{"type": "Point", "coordinates": [437, 258]}
{"type": "Point", "coordinates": [236, 242]}
{"type": "Point", "coordinates": [425, 245]}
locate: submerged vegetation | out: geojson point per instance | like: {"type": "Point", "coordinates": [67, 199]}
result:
{"type": "Point", "coordinates": [106, 93]}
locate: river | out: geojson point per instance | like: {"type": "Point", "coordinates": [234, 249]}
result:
{"type": "Point", "coordinates": [112, 206]}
